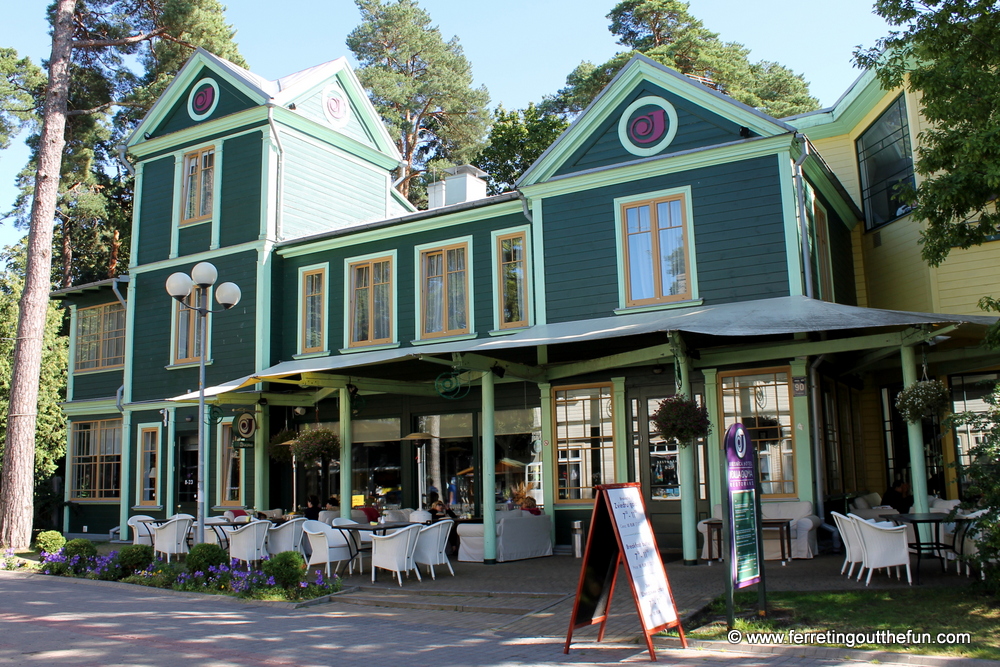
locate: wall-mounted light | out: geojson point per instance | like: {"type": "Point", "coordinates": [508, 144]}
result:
{"type": "Point", "coordinates": [658, 370]}
{"type": "Point", "coordinates": [262, 401]}
{"type": "Point", "coordinates": [498, 370]}
{"type": "Point", "coordinates": [147, 136]}
{"type": "Point", "coordinates": [299, 411]}
{"type": "Point", "coordinates": [189, 419]}
{"type": "Point", "coordinates": [291, 106]}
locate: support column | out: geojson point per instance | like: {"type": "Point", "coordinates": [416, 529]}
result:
{"type": "Point", "coordinates": [128, 472]}
{"type": "Point", "coordinates": [686, 465]}
{"type": "Point", "coordinates": [620, 429]}
{"type": "Point", "coordinates": [548, 456]}
{"type": "Point", "coordinates": [346, 447]}
{"type": "Point", "coordinates": [915, 437]}
{"type": "Point", "coordinates": [804, 448]}
{"type": "Point", "coordinates": [261, 470]}
{"type": "Point", "coordinates": [169, 497]}
{"type": "Point", "coordinates": [489, 473]}
{"type": "Point", "coordinates": [714, 444]}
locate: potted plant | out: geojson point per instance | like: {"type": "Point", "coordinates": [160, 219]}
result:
{"type": "Point", "coordinates": [279, 447]}
{"type": "Point", "coordinates": [681, 418]}
{"type": "Point", "coordinates": [316, 444]}
{"type": "Point", "coordinates": [923, 398]}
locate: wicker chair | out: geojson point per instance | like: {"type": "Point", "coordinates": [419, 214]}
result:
{"type": "Point", "coordinates": [853, 553]}
{"type": "Point", "coordinates": [246, 543]}
{"type": "Point", "coordinates": [431, 544]}
{"type": "Point", "coordinates": [170, 538]}
{"type": "Point", "coordinates": [286, 537]}
{"type": "Point", "coordinates": [328, 545]}
{"type": "Point", "coordinates": [394, 552]}
{"type": "Point", "coordinates": [142, 533]}
{"type": "Point", "coordinates": [884, 547]}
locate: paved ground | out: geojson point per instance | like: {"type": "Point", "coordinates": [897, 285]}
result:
{"type": "Point", "coordinates": [47, 620]}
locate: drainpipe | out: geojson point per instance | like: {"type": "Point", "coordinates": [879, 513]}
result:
{"type": "Point", "coordinates": [800, 191]}
{"type": "Point", "coordinates": [118, 399]}
{"type": "Point", "coordinates": [114, 288]}
{"type": "Point", "coordinates": [524, 206]}
{"type": "Point", "coordinates": [817, 428]}
{"type": "Point", "coordinates": [124, 161]}
{"type": "Point", "coordinates": [280, 175]}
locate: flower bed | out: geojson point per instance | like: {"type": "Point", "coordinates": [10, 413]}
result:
{"type": "Point", "coordinates": [279, 579]}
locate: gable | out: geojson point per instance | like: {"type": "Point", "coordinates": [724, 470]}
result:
{"type": "Point", "coordinates": [207, 97]}
{"type": "Point", "coordinates": [651, 121]}
{"type": "Point", "coordinates": [331, 104]}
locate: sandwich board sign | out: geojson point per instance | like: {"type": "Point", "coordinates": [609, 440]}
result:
{"type": "Point", "coordinates": [741, 485]}
{"type": "Point", "coordinates": [620, 532]}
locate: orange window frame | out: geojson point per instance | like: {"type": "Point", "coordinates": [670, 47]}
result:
{"type": "Point", "coordinates": [199, 185]}
{"type": "Point", "coordinates": [186, 347]}
{"type": "Point", "coordinates": [230, 457]}
{"type": "Point", "coordinates": [95, 466]}
{"type": "Point", "coordinates": [656, 264]}
{"type": "Point", "coordinates": [502, 283]}
{"type": "Point", "coordinates": [370, 310]}
{"type": "Point", "coordinates": [94, 331]}
{"type": "Point", "coordinates": [448, 328]}
{"type": "Point", "coordinates": [313, 321]}
{"type": "Point", "coordinates": [149, 445]}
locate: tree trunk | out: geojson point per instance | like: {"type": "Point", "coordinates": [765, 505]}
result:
{"type": "Point", "coordinates": [67, 254]}
{"type": "Point", "coordinates": [116, 244]}
{"type": "Point", "coordinates": [17, 478]}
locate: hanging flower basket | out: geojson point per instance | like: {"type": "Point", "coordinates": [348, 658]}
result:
{"type": "Point", "coordinates": [278, 447]}
{"type": "Point", "coordinates": [924, 398]}
{"type": "Point", "coordinates": [321, 443]}
{"type": "Point", "coordinates": [681, 418]}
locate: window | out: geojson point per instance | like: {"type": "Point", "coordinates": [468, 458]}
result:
{"type": "Point", "coordinates": [821, 228]}
{"type": "Point", "coordinates": [199, 175]}
{"type": "Point", "coordinates": [100, 337]}
{"type": "Point", "coordinates": [188, 339]}
{"type": "Point", "coordinates": [96, 460]}
{"type": "Point", "coordinates": [371, 302]}
{"type": "Point", "coordinates": [655, 245]}
{"type": "Point", "coordinates": [149, 471]}
{"type": "Point", "coordinates": [230, 468]}
{"type": "Point", "coordinates": [885, 161]}
{"type": "Point", "coordinates": [761, 401]}
{"type": "Point", "coordinates": [584, 440]}
{"type": "Point", "coordinates": [512, 280]}
{"type": "Point", "coordinates": [444, 291]}
{"type": "Point", "coordinates": [313, 309]}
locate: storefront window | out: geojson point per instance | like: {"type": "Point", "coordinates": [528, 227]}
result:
{"type": "Point", "coordinates": [584, 440]}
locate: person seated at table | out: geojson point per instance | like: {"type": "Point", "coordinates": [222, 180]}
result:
{"type": "Point", "coordinates": [529, 505]}
{"type": "Point", "coordinates": [333, 503]}
{"type": "Point", "coordinates": [440, 511]}
{"type": "Point", "coordinates": [898, 497]}
{"type": "Point", "coordinates": [312, 508]}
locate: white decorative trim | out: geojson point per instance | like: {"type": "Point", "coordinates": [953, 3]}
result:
{"type": "Point", "coordinates": [213, 103]}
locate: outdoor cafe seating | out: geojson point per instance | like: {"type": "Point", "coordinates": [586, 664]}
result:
{"type": "Point", "coordinates": [394, 552]}
{"type": "Point", "coordinates": [246, 543]}
{"type": "Point", "coordinates": [328, 546]}
{"type": "Point", "coordinates": [170, 537]}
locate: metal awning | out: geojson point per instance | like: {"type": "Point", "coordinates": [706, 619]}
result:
{"type": "Point", "coordinates": [763, 317]}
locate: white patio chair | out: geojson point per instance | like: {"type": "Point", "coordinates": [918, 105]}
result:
{"type": "Point", "coordinates": [246, 543]}
{"type": "Point", "coordinates": [394, 552]}
{"type": "Point", "coordinates": [170, 538]}
{"type": "Point", "coordinates": [853, 553]}
{"type": "Point", "coordinates": [328, 545]}
{"type": "Point", "coordinates": [358, 516]}
{"type": "Point", "coordinates": [420, 516]}
{"type": "Point", "coordinates": [432, 541]}
{"type": "Point", "coordinates": [286, 537]}
{"type": "Point", "coordinates": [215, 535]}
{"type": "Point", "coordinates": [142, 533]}
{"type": "Point", "coordinates": [362, 540]}
{"type": "Point", "coordinates": [327, 516]}
{"type": "Point", "coordinates": [396, 515]}
{"type": "Point", "coordinates": [884, 547]}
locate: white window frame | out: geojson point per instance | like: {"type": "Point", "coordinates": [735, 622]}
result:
{"type": "Point", "coordinates": [220, 493]}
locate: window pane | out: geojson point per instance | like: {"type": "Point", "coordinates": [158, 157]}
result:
{"type": "Point", "coordinates": [433, 293]}
{"type": "Point", "coordinates": [673, 276]}
{"type": "Point", "coordinates": [640, 255]}
{"type": "Point", "coordinates": [638, 219]}
{"type": "Point", "coordinates": [885, 160]}
{"type": "Point", "coordinates": [380, 312]}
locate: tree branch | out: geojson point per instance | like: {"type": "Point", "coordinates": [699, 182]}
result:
{"type": "Point", "coordinates": [124, 41]}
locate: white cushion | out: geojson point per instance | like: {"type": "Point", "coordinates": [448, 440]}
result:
{"type": "Point", "coordinates": [861, 504]}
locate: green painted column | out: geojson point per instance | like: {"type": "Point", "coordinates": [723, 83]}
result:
{"type": "Point", "coordinates": [548, 456]}
{"type": "Point", "coordinates": [620, 428]}
{"type": "Point", "coordinates": [714, 440]}
{"type": "Point", "coordinates": [489, 473]}
{"type": "Point", "coordinates": [128, 474]}
{"type": "Point", "coordinates": [169, 487]}
{"type": "Point", "coordinates": [804, 448]}
{"type": "Point", "coordinates": [685, 468]}
{"type": "Point", "coordinates": [346, 447]}
{"type": "Point", "coordinates": [261, 487]}
{"type": "Point", "coordinates": [915, 437]}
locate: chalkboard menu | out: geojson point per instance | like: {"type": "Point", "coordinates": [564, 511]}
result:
{"type": "Point", "coordinates": [619, 511]}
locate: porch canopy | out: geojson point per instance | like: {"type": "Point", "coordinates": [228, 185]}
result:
{"type": "Point", "coordinates": [751, 330]}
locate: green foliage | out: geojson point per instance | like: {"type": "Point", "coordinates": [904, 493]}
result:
{"type": "Point", "coordinates": [80, 547]}
{"type": "Point", "coordinates": [287, 568]}
{"type": "Point", "coordinates": [277, 447]}
{"type": "Point", "coordinates": [159, 574]}
{"type": "Point", "coordinates": [50, 428]}
{"type": "Point", "coordinates": [50, 541]}
{"type": "Point", "coordinates": [948, 52]}
{"type": "Point", "coordinates": [667, 32]}
{"type": "Point", "coordinates": [316, 444]}
{"type": "Point", "coordinates": [681, 418]}
{"type": "Point", "coordinates": [420, 84]}
{"type": "Point", "coordinates": [20, 80]}
{"type": "Point", "coordinates": [517, 138]}
{"type": "Point", "coordinates": [205, 555]}
{"type": "Point", "coordinates": [135, 557]}
{"type": "Point", "coordinates": [924, 398]}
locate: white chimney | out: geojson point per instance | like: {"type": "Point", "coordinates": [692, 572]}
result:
{"type": "Point", "coordinates": [435, 194]}
{"type": "Point", "coordinates": [464, 184]}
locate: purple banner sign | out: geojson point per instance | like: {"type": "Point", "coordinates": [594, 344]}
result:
{"type": "Point", "coordinates": [741, 483]}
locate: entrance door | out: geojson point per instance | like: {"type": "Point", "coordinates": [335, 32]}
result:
{"type": "Point", "coordinates": [187, 474]}
{"type": "Point", "coordinates": [656, 465]}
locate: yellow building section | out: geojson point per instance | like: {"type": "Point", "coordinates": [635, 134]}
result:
{"type": "Point", "coordinates": [965, 277]}
{"type": "Point", "coordinates": [872, 476]}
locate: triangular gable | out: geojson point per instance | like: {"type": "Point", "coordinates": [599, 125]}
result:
{"type": "Point", "coordinates": [206, 88]}
{"type": "Point", "coordinates": [649, 110]}
{"type": "Point", "coordinates": [331, 95]}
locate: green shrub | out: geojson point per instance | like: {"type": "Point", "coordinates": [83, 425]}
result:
{"type": "Point", "coordinates": [159, 575]}
{"type": "Point", "coordinates": [80, 547]}
{"type": "Point", "coordinates": [203, 556]}
{"type": "Point", "coordinates": [134, 558]}
{"type": "Point", "coordinates": [50, 541]}
{"type": "Point", "coordinates": [287, 568]}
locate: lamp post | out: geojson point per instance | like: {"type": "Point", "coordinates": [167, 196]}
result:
{"type": "Point", "coordinates": [179, 286]}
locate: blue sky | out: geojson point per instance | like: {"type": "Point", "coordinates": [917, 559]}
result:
{"type": "Point", "coordinates": [519, 49]}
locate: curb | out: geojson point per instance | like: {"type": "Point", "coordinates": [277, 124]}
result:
{"type": "Point", "coordinates": [829, 652]}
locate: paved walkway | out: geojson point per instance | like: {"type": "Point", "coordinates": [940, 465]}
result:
{"type": "Point", "coordinates": [46, 620]}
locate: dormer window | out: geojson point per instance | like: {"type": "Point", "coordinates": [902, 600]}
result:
{"type": "Point", "coordinates": [199, 175]}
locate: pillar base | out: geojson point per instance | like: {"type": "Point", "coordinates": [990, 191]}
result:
{"type": "Point", "coordinates": [490, 561]}
{"type": "Point", "coordinates": [691, 562]}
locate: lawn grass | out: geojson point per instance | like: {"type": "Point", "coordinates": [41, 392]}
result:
{"type": "Point", "coordinates": [919, 610]}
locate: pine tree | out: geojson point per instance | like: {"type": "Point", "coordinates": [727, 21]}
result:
{"type": "Point", "coordinates": [516, 140]}
{"type": "Point", "coordinates": [421, 85]}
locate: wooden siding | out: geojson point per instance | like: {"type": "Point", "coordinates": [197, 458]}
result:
{"type": "Point", "coordinates": [737, 213]}
{"type": "Point", "coordinates": [872, 477]}
{"type": "Point", "coordinates": [324, 189]}
{"type": "Point", "coordinates": [898, 278]}
{"type": "Point", "coordinates": [232, 332]}
{"type": "Point", "coordinates": [192, 239]}
{"type": "Point", "coordinates": [286, 286]}
{"type": "Point", "coordinates": [965, 277]}
{"type": "Point", "coordinates": [696, 128]}
{"type": "Point", "coordinates": [102, 384]}
{"type": "Point", "coordinates": [155, 211]}
{"type": "Point", "coordinates": [312, 108]}
{"type": "Point", "coordinates": [231, 100]}
{"type": "Point", "coordinates": [857, 258]}
{"type": "Point", "coordinates": [241, 189]}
